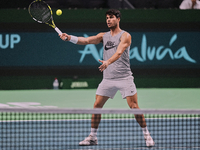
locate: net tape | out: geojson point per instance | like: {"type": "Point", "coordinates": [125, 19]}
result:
{"type": "Point", "coordinates": [101, 111]}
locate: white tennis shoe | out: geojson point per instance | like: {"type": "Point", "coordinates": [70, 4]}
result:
{"type": "Point", "coordinates": [90, 140]}
{"type": "Point", "coordinates": [149, 140]}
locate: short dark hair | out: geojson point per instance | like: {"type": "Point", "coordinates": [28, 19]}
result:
{"type": "Point", "coordinates": [115, 12]}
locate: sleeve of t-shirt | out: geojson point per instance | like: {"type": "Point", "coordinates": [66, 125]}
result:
{"type": "Point", "coordinates": [185, 4]}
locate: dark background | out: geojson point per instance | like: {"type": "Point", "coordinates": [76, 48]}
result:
{"type": "Point", "coordinates": [81, 16]}
{"type": "Point", "coordinates": [90, 4]}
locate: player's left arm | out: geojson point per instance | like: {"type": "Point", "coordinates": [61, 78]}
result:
{"type": "Point", "coordinates": [123, 45]}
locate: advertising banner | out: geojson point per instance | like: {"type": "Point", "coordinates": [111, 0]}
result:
{"type": "Point", "coordinates": [148, 49]}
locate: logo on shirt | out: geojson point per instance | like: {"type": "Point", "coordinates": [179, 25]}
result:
{"type": "Point", "coordinates": [109, 45]}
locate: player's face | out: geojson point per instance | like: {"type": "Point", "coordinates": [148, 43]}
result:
{"type": "Point", "coordinates": [112, 21]}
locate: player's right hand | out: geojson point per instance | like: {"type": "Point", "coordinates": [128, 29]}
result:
{"type": "Point", "coordinates": [64, 37]}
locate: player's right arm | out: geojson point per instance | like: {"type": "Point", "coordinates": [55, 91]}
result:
{"type": "Point", "coordinates": [83, 40]}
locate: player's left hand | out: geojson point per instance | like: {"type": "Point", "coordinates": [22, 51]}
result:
{"type": "Point", "coordinates": [103, 66]}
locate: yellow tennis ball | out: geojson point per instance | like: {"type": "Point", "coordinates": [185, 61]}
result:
{"type": "Point", "coordinates": [59, 12]}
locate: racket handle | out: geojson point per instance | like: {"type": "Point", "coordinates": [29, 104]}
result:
{"type": "Point", "coordinates": [58, 31]}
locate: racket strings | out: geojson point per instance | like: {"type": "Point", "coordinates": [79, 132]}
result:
{"type": "Point", "coordinates": [40, 11]}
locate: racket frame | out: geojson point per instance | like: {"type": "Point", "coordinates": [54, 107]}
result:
{"type": "Point", "coordinates": [52, 24]}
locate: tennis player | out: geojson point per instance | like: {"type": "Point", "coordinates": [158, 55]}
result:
{"type": "Point", "coordinates": [116, 70]}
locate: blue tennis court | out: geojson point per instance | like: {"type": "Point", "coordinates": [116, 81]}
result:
{"type": "Point", "coordinates": [114, 133]}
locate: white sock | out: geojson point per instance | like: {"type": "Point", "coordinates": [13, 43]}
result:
{"type": "Point", "coordinates": [93, 132]}
{"type": "Point", "coordinates": [145, 130]}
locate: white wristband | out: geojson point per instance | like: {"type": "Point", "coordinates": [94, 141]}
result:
{"type": "Point", "coordinates": [74, 39]}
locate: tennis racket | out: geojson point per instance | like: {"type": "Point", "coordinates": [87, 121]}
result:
{"type": "Point", "coordinates": [41, 12]}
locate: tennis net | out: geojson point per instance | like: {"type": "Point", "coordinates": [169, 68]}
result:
{"type": "Point", "coordinates": [53, 129]}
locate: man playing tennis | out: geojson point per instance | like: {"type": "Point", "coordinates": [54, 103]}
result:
{"type": "Point", "coordinates": [116, 70]}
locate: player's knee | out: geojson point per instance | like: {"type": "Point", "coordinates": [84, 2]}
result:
{"type": "Point", "coordinates": [97, 105]}
{"type": "Point", "coordinates": [134, 105]}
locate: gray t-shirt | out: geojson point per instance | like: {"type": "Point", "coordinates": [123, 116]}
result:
{"type": "Point", "coordinates": [121, 67]}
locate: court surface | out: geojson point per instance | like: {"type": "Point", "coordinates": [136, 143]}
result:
{"type": "Point", "coordinates": [147, 98]}
{"type": "Point", "coordinates": [62, 134]}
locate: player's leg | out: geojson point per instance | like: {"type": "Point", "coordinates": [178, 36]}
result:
{"type": "Point", "coordinates": [133, 104]}
{"type": "Point", "coordinates": [104, 91]}
{"type": "Point", "coordinates": [99, 103]}
{"type": "Point", "coordinates": [96, 118]}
